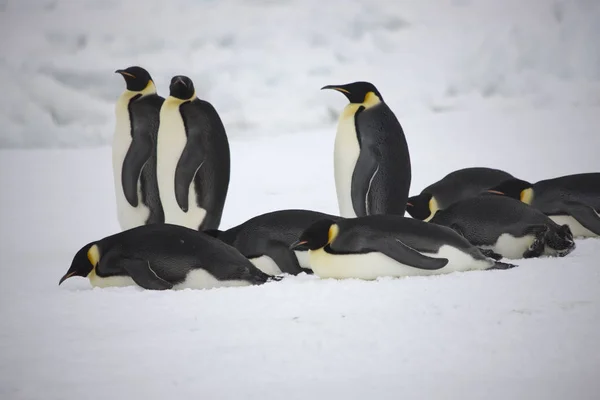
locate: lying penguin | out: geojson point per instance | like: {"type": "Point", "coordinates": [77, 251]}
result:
{"type": "Point", "coordinates": [164, 256]}
{"type": "Point", "coordinates": [455, 186]}
{"type": "Point", "coordinates": [266, 238]}
{"type": "Point", "coordinates": [571, 199]}
{"type": "Point", "coordinates": [382, 245]}
{"type": "Point", "coordinates": [504, 227]}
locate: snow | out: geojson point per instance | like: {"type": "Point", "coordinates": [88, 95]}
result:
{"type": "Point", "coordinates": [524, 333]}
{"type": "Point", "coordinates": [261, 63]}
{"type": "Point", "coordinates": [512, 85]}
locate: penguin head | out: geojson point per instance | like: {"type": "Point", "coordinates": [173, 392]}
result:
{"type": "Point", "coordinates": [136, 78]}
{"type": "Point", "coordinates": [356, 92]}
{"type": "Point", "coordinates": [84, 262]}
{"type": "Point", "coordinates": [515, 188]}
{"type": "Point", "coordinates": [318, 235]}
{"type": "Point", "coordinates": [419, 207]}
{"type": "Point", "coordinates": [182, 88]}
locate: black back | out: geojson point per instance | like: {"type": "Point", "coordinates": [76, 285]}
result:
{"type": "Point", "coordinates": [385, 158]}
{"type": "Point", "coordinates": [172, 251]}
{"type": "Point", "coordinates": [145, 119]}
{"type": "Point", "coordinates": [207, 138]}
{"type": "Point", "coordinates": [465, 183]}
{"type": "Point", "coordinates": [550, 195]}
{"type": "Point", "coordinates": [484, 218]}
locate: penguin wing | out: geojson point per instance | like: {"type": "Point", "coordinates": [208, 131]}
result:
{"type": "Point", "coordinates": [142, 273]}
{"type": "Point", "coordinates": [144, 117]}
{"type": "Point", "coordinates": [189, 163]}
{"type": "Point", "coordinates": [367, 167]}
{"type": "Point", "coordinates": [354, 241]}
{"type": "Point", "coordinates": [584, 214]}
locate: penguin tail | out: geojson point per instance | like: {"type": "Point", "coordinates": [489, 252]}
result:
{"type": "Point", "coordinates": [259, 277]}
{"type": "Point", "coordinates": [501, 265]}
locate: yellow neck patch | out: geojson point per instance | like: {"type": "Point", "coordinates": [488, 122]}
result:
{"type": "Point", "coordinates": [433, 208]}
{"type": "Point", "coordinates": [527, 196]}
{"type": "Point", "coordinates": [93, 255]}
{"type": "Point", "coordinates": [174, 101]}
{"type": "Point", "coordinates": [333, 232]}
{"type": "Point", "coordinates": [370, 100]}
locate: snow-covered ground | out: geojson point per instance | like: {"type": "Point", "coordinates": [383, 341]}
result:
{"type": "Point", "coordinates": [526, 333]}
{"type": "Point", "coordinates": [262, 62]}
{"type": "Point", "coordinates": [512, 84]}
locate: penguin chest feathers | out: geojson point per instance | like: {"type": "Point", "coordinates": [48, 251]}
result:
{"type": "Point", "coordinates": [346, 152]}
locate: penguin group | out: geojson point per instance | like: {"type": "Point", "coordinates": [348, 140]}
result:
{"type": "Point", "coordinates": [171, 171]}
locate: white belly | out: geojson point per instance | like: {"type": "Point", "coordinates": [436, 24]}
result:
{"type": "Point", "coordinates": [128, 216]}
{"type": "Point", "coordinates": [345, 155]}
{"type": "Point", "coordinates": [511, 247]}
{"type": "Point", "coordinates": [371, 266]}
{"type": "Point", "coordinates": [577, 229]}
{"type": "Point", "coordinates": [170, 144]}
{"type": "Point", "coordinates": [267, 265]}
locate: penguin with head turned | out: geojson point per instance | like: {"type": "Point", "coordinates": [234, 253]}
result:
{"type": "Point", "coordinates": [164, 256]}
{"type": "Point", "coordinates": [455, 186]}
{"type": "Point", "coordinates": [134, 150]}
{"type": "Point", "coordinates": [371, 159]}
{"type": "Point", "coordinates": [571, 199]}
{"type": "Point", "coordinates": [266, 238]}
{"type": "Point", "coordinates": [389, 246]}
{"type": "Point", "coordinates": [193, 159]}
{"type": "Point", "coordinates": [504, 227]}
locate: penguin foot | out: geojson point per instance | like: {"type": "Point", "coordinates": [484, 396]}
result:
{"type": "Point", "coordinates": [491, 254]}
{"type": "Point", "coordinates": [501, 266]}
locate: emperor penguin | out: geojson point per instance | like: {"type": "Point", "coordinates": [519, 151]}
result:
{"type": "Point", "coordinates": [164, 256]}
{"type": "Point", "coordinates": [193, 159]}
{"type": "Point", "coordinates": [371, 159]}
{"type": "Point", "coordinates": [134, 150]}
{"type": "Point", "coordinates": [455, 186]}
{"type": "Point", "coordinates": [389, 246]}
{"type": "Point", "coordinates": [571, 199]}
{"type": "Point", "coordinates": [501, 226]}
{"type": "Point", "coordinates": [265, 239]}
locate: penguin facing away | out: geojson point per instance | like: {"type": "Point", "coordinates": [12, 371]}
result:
{"type": "Point", "coordinates": [389, 245]}
{"type": "Point", "coordinates": [371, 159]}
{"type": "Point", "coordinates": [455, 186]}
{"type": "Point", "coordinates": [504, 227]}
{"type": "Point", "coordinates": [193, 159]}
{"type": "Point", "coordinates": [571, 199]}
{"type": "Point", "coordinates": [164, 256]}
{"type": "Point", "coordinates": [266, 238]}
{"type": "Point", "coordinates": [134, 150]}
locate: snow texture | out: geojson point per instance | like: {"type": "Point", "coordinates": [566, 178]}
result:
{"type": "Point", "coordinates": [525, 333]}
{"type": "Point", "coordinates": [262, 62]}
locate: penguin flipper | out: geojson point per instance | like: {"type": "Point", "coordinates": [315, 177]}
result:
{"type": "Point", "coordinates": [367, 167]}
{"type": "Point", "coordinates": [188, 165]}
{"type": "Point", "coordinates": [284, 258]}
{"type": "Point", "coordinates": [585, 215]}
{"type": "Point", "coordinates": [391, 247]}
{"type": "Point", "coordinates": [142, 273]}
{"type": "Point", "coordinates": [136, 158]}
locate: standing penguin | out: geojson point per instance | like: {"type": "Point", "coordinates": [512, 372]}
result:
{"type": "Point", "coordinates": [371, 159]}
{"type": "Point", "coordinates": [193, 159]}
{"type": "Point", "coordinates": [504, 227]}
{"type": "Point", "coordinates": [455, 186]}
{"type": "Point", "coordinates": [266, 238]}
{"type": "Point", "coordinates": [571, 199]}
{"type": "Point", "coordinates": [389, 245]}
{"type": "Point", "coordinates": [134, 150]}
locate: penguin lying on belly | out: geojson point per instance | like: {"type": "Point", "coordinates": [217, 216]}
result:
{"type": "Point", "coordinates": [164, 256]}
{"type": "Point", "coordinates": [571, 199]}
{"type": "Point", "coordinates": [389, 246]}
{"type": "Point", "coordinates": [504, 227]}
{"type": "Point", "coordinates": [266, 238]}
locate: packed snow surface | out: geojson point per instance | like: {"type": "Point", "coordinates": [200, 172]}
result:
{"type": "Point", "coordinates": [262, 62]}
{"type": "Point", "coordinates": [525, 333]}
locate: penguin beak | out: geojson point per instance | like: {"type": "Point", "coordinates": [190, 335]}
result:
{"type": "Point", "coordinates": [124, 73]}
{"type": "Point", "coordinates": [179, 80]}
{"type": "Point", "coordinates": [297, 243]}
{"type": "Point", "coordinates": [495, 191]}
{"type": "Point", "coordinates": [409, 204]}
{"type": "Point", "coordinates": [67, 276]}
{"type": "Point", "coordinates": [335, 87]}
